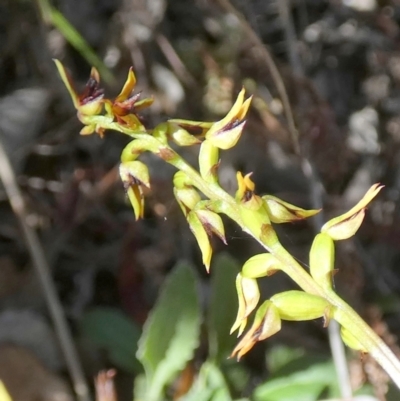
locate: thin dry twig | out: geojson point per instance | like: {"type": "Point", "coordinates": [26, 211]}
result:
{"type": "Point", "coordinates": [35, 249]}
{"type": "Point", "coordinates": [174, 60]}
{"type": "Point", "coordinates": [104, 384]}
{"type": "Point", "coordinates": [276, 76]}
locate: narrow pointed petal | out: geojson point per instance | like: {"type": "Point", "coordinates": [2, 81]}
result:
{"type": "Point", "coordinates": [136, 198]}
{"type": "Point", "coordinates": [248, 296]}
{"type": "Point", "coordinates": [66, 78]}
{"type": "Point", "coordinates": [233, 114]}
{"type": "Point", "coordinates": [201, 237]}
{"type": "Point", "coordinates": [346, 225]}
{"type": "Point", "coordinates": [283, 212]}
{"type": "Point", "coordinates": [241, 305]}
{"type": "Point", "coordinates": [245, 187]}
{"type": "Point", "coordinates": [128, 86]}
{"type": "Point", "coordinates": [267, 322]}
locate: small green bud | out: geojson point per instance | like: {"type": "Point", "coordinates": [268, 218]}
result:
{"type": "Point", "coordinates": [261, 265]}
{"type": "Point", "coordinates": [322, 260]}
{"type": "Point", "coordinates": [283, 212]}
{"type": "Point", "coordinates": [346, 225]}
{"type": "Point", "coordinates": [180, 136]}
{"type": "Point", "coordinates": [187, 198]}
{"type": "Point", "coordinates": [299, 305]}
{"type": "Point", "coordinates": [181, 180]}
{"type": "Point", "coordinates": [208, 161]}
{"type": "Point", "coordinates": [266, 323]}
{"type": "Point", "coordinates": [160, 132]}
{"type": "Point", "coordinates": [248, 296]}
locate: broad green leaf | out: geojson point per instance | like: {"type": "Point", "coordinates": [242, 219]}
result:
{"type": "Point", "coordinates": [281, 355]}
{"type": "Point", "coordinates": [303, 385]}
{"type": "Point", "coordinates": [210, 385]}
{"type": "Point", "coordinates": [171, 333]}
{"type": "Point", "coordinates": [116, 333]}
{"type": "Point", "coordinates": [222, 307]}
{"type": "Point", "coordinates": [237, 375]}
{"type": "Point", "coordinates": [139, 388]}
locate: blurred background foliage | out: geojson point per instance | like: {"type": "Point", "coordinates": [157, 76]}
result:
{"type": "Point", "coordinates": [340, 63]}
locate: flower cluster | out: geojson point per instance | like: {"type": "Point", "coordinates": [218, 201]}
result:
{"type": "Point", "coordinates": [202, 200]}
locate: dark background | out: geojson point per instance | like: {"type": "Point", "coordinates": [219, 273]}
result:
{"type": "Point", "coordinates": [340, 64]}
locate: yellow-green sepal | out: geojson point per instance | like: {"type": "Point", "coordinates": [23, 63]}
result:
{"type": "Point", "coordinates": [160, 132]}
{"type": "Point", "coordinates": [135, 170]}
{"type": "Point", "coordinates": [322, 260]}
{"type": "Point", "coordinates": [299, 305]}
{"type": "Point", "coordinates": [134, 175]}
{"type": "Point", "coordinates": [208, 161]}
{"type": "Point", "coordinates": [67, 80]}
{"type": "Point", "coordinates": [262, 265]}
{"type": "Point", "coordinates": [181, 136]}
{"type": "Point", "coordinates": [346, 225]}
{"type": "Point", "coordinates": [196, 226]}
{"type": "Point", "coordinates": [212, 222]}
{"type": "Point", "coordinates": [187, 198]}
{"type": "Point", "coordinates": [283, 212]}
{"type": "Point", "coordinates": [248, 297]}
{"type": "Point", "coordinates": [225, 133]}
{"type": "Point", "coordinates": [351, 341]}
{"type": "Point", "coordinates": [267, 322]}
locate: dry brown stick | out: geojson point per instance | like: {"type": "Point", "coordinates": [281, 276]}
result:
{"type": "Point", "coordinates": [36, 252]}
{"type": "Point", "coordinates": [276, 76]}
{"type": "Point", "coordinates": [174, 60]}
